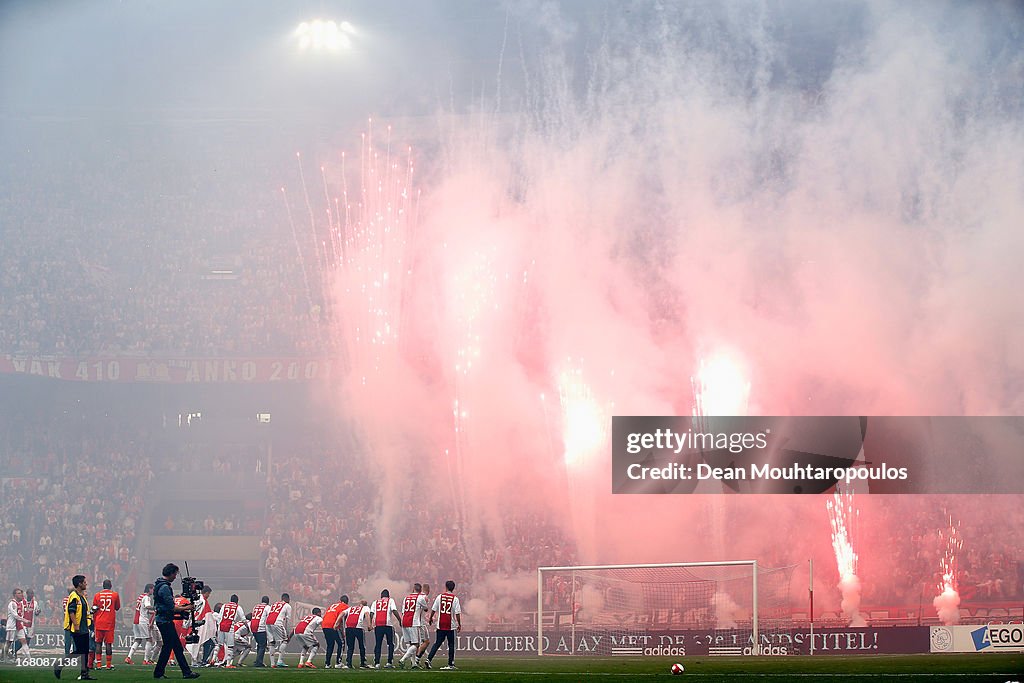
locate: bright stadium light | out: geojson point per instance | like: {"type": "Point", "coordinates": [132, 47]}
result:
{"type": "Point", "coordinates": [324, 35]}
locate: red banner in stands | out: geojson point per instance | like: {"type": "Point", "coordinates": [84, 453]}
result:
{"type": "Point", "coordinates": [177, 370]}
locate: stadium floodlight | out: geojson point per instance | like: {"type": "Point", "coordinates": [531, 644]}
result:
{"type": "Point", "coordinates": [742, 603]}
{"type": "Point", "coordinates": [324, 35]}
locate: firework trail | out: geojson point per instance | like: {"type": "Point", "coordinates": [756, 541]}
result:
{"type": "Point", "coordinates": [585, 422]}
{"type": "Point", "coordinates": [375, 269]}
{"type": "Point", "coordinates": [843, 517]}
{"type": "Point", "coordinates": [312, 308]}
{"type": "Point", "coordinates": [371, 276]}
{"type": "Point", "coordinates": [947, 602]}
{"type": "Point", "coordinates": [719, 389]}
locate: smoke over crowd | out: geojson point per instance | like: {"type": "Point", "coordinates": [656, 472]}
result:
{"type": "Point", "coordinates": [829, 198]}
{"type": "Point", "coordinates": [637, 192]}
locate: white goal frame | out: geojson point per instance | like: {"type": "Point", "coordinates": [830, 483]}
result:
{"type": "Point", "coordinates": [540, 590]}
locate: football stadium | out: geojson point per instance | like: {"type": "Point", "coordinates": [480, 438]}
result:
{"type": "Point", "coordinates": [512, 341]}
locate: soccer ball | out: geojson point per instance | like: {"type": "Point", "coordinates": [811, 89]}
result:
{"type": "Point", "coordinates": [677, 669]}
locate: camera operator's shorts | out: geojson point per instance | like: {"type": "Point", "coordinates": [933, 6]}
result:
{"type": "Point", "coordinates": [411, 634]}
{"type": "Point", "coordinates": [105, 637]}
{"type": "Point", "coordinates": [307, 641]}
{"type": "Point", "coordinates": [141, 631]}
{"type": "Point", "coordinates": [275, 633]}
{"type": "Point", "coordinates": [226, 638]}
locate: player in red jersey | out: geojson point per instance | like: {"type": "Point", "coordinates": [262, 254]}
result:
{"type": "Point", "coordinates": [183, 627]}
{"type": "Point", "coordinates": [204, 627]}
{"type": "Point", "coordinates": [142, 626]}
{"type": "Point", "coordinates": [230, 614]}
{"type": "Point", "coordinates": [279, 621]}
{"type": "Point", "coordinates": [380, 616]}
{"type": "Point", "coordinates": [413, 612]}
{"type": "Point", "coordinates": [105, 605]}
{"type": "Point", "coordinates": [16, 625]}
{"type": "Point", "coordinates": [305, 631]}
{"type": "Point", "coordinates": [31, 611]}
{"type": "Point", "coordinates": [243, 640]}
{"type": "Point", "coordinates": [258, 628]}
{"type": "Point", "coordinates": [449, 621]}
{"type": "Point", "coordinates": [357, 616]}
{"type": "Point", "coordinates": [334, 619]}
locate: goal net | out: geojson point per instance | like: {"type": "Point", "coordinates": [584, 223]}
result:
{"type": "Point", "coordinates": [715, 607]}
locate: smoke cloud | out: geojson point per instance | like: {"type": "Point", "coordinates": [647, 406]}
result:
{"type": "Point", "coordinates": [849, 586]}
{"type": "Point", "coordinates": [725, 610]}
{"type": "Point", "coordinates": [656, 186]}
{"type": "Point", "coordinates": [947, 606]}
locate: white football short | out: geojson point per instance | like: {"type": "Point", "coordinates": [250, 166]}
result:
{"type": "Point", "coordinates": [307, 641]}
{"type": "Point", "coordinates": [226, 638]}
{"type": "Point", "coordinates": [275, 633]}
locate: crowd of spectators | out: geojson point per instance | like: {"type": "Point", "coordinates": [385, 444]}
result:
{"type": "Point", "coordinates": [988, 565]}
{"type": "Point", "coordinates": [320, 537]}
{"type": "Point", "coordinates": [122, 261]}
{"type": "Point", "coordinates": [71, 499]}
{"type": "Point", "coordinates": [203, 522]}
{"type": "Point", "coordinates": [323, 532]}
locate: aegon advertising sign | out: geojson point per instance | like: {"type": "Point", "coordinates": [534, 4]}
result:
{"type": "Point", "coordinates": [987, 638]}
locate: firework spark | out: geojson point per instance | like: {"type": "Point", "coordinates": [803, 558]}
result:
{"type": "Point", "coordinates": [843, 516]}
{"type": "Point", "coordinates": [720, 388]}
{"type": "Point", "coordinates": [584, 420]}
{"type": "Point", "coordinates": [374, 241]}
{"type": "Point", "coordinates": [947, 602]}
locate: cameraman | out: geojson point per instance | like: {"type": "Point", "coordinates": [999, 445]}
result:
{"type": "Point", "coordinates": [163, 599]}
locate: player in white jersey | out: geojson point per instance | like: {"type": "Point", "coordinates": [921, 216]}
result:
{"type": "Point", "coordinates": [357, 619]}
{"type": "Point", "coordinates": [213, 658]}
{"type": "Point", "coordinates": [16, 625]}
{"type": "Point", "coordinates": [380, 617]}
{"type": "Point", "coordinates": [228, 615]}
{"type": "Point", "coordinates": [207, 631]}
{"type": "Point", "coordinates": [30, 611]}
{"type": "Point", "coordinates": [142, 626]}
{"type": "Point", "coordinates": [243, 639]}
{"type": "Point", "coordinates": [258, 628]}
{"type": "Point", "coordinates": [413, 610]}
{"type": "Point", "coordinates": [449, 622]}
{"type": "Point", "coordinates": [305, 631]}
{"type": "Point", "coordinates": [279, 619]}
{"type": "Point", "coordinates": [423, 607]}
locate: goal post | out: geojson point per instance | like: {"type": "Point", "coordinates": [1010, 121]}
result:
{"type": "Point", "coordinates": [618, 609]}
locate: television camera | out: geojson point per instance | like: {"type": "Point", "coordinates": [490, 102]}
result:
{"type": "Point", "coordinates": [191, 587]}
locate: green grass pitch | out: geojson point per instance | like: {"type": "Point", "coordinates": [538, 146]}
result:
{"type": "Point", "coordinates": [861, 668]}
